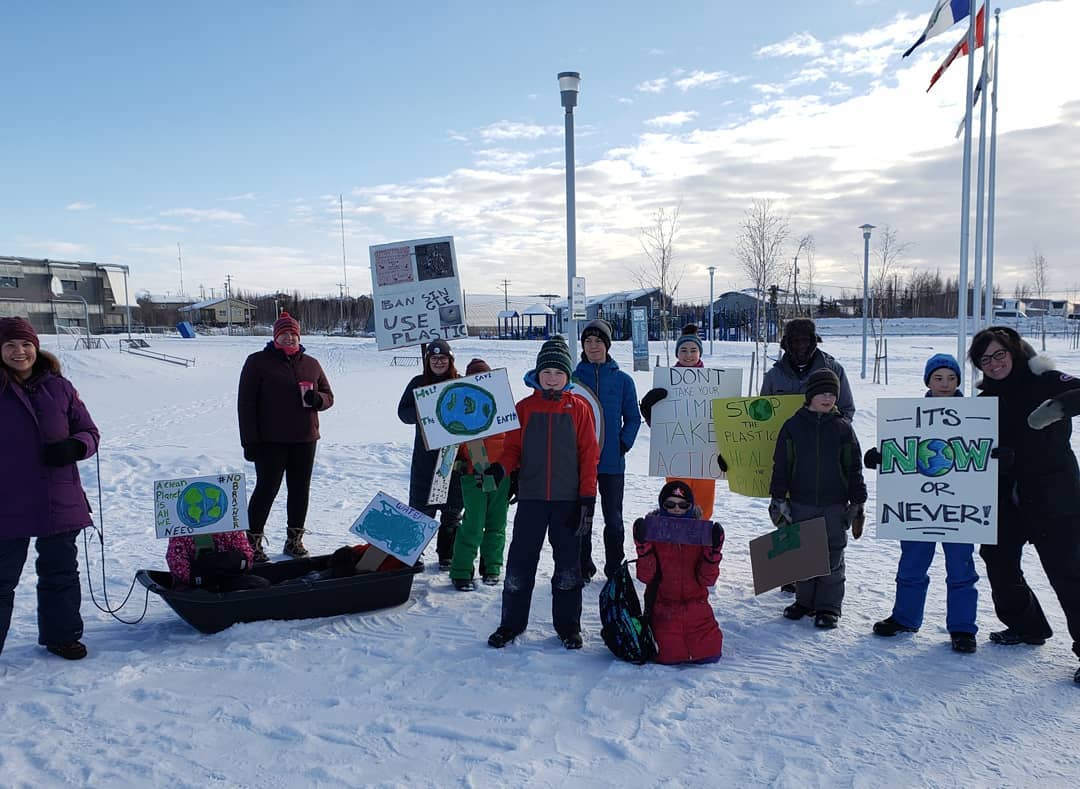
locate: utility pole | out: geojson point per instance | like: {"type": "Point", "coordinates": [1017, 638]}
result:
{"type": "Point", "coordinates": [506, 294]}
{"type": "Point", "coordinates": [228, 302]}
{"type": "Point", "coordinates": [341, 303]}
{"type": "Point", "coordinates": [180, 261]}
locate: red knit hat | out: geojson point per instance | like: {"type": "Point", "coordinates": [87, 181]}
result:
{"type": "Point", "coordinates": [18, 329]}
{"type": "Point", "coordinates": [286, 322]}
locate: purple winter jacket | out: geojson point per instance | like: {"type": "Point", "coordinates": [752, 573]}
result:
{"type": "Point", "coordinates": [36, 500]}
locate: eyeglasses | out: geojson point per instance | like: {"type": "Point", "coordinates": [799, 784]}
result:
{"type": "Point", "coordinates": [996, 356]}
{"type": "Point", "coordinates": [677, 504]}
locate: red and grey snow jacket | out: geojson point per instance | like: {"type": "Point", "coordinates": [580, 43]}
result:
{"type": "Point", "coordinates": [555, 448]}
{"type": "Point", "coordinates": [681, 616]}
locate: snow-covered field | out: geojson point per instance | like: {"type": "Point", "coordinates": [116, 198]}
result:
{"type": "Point", "coordinates": [413, 696]}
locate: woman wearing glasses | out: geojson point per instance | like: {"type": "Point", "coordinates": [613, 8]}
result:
{"type": "Point", "coordinates": [1039, 492]}
{"type": "Point", "coordinates": [678, 578]}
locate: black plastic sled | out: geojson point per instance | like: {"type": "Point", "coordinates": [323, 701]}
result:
{"type": "Point", "coordinates": [212, 612]}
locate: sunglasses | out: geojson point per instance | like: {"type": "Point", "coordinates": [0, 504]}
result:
{"type": "Point", "coordinates": [677, 504]}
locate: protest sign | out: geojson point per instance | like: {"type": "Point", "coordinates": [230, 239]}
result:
{"type": "Point", "coordinates": [639, 336]}
{"type": "Point", "coordinates": [192, 506]}
{"type": "Point", "coordinates": [461, 409]}
{"type": "Point", "coordinates": [683, 439]}
{"type": "Point", "coordinates": [417, 292]}
{"type": "Point", "coordinates": [936, 481]}
{"type": "Point", "coordinates": [794, 552]}
{"type": "Point", "coordinates": [395, 528]}
{"type": "Point", "coordinates": [746, 431]}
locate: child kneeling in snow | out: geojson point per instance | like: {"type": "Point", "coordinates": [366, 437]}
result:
{"type": "Point", "coordinates": [225, 567]}
{"type": "Point", "coordinates": [677, 579]}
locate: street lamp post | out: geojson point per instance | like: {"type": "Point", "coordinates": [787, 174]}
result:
{"type": "Point", "coordinates": [712, 307]}
{"type": "Point", "coordinates": [569, 83]}
{"type": "Point", "coordinates": [865, 290]}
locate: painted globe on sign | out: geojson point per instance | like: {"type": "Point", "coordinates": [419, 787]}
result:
{"type": "Point", "coordinates": [934, 458]}
{"type": "Point", "coordinates": [201, 504]}
{"type": "Point", "coordinates": [465, 409]}
{"type": "Point", "coordinates": [760, 410]}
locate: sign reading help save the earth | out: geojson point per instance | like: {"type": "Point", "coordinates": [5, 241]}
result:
{"type": "Point", "coordinates": [463, 409]}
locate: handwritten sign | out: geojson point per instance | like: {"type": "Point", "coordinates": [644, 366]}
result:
{"type": "Point", "coordinates": [461, 409]}
{"type": "Point", "coordinates": [794, 552]}
{"type": "Point", "coordinates": [746, 431]}
{"type": "Point", "coordinates": [417, 292]}
{"type": "Point", "coordinates": [683, 439]}
{"type": "Point", "coordinates": [192, 506]}
{"type": "Point", "coordinates": [395, 528]}
{"type": "Point", "coordinates": [680, 531]}
{"type": "Point", "coordinates": [937, 481]}
{"type": "Point", "coordinates": [444, 472]}
{"type": "Point", "coordinates": [639, 337]}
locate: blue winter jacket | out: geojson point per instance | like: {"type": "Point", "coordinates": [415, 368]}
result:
{"type": "Point", "coordinates": [618, 400]}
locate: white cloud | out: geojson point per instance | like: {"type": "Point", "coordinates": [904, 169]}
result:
{"type": "Point", "coordinates": [244, 196]}
{"type": "Point", "coordinates": [796, 45]}
{"type": "Point", "coordinates": [700, 78]}
{"type": "Point", "coordinates": [78, 206]}
{"type": "Point", "coordinates": [652, 85]}
{"type": "Point", "coordinates": [514, 130]}
{"type": "Point", "coordinates": [207, 215]}
{"type": "Point", "coordinates": [60, 249]}
{"type": "Point", "coordinates": [672, 119]}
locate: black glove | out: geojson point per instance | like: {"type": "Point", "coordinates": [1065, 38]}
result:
{"type": "Point", "coordinates": [717, 536]}
{"type": "Point", "coordinates": [872, 458]}
{"type": "Point", "coordinates": [586, 506]}
{"type": "Point", "coordinates": [63, 453]}
{"type": "Point", "coordinates": [639, 530]}
{"type": "Point", "coordinates": [496, 472]}
{"type": "Point", "coordinates": [780, 511]}
{"type": "Point", "coordinates": [313, 398]}
{"type": "Point", "coordinates": [512, 498]}
{"type": "Point", "coordinates": [1004, 456]}
{"type": "Point", "coordinates": [651, 398]}
{"type": "Point", "coordinates": [251, 452]}
{"type": "Point", "coordinates": [210, 566]}
{"type": "Point", "coordinates": [721, 463]}
{"type": "Point", "coordinates": [623, 449]}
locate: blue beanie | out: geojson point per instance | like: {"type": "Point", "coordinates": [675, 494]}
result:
{"type": "Point", "coordinates": [939, 360]}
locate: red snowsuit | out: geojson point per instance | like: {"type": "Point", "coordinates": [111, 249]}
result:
{"type": "Point", "coordinates": [682, 618]}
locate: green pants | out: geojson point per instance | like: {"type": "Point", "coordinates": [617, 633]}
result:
{"type": "Point", "coordinates": [483, 528]}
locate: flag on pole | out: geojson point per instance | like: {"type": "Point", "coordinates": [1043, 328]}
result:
{"type": "Point", "coordinates": [989, 55]}
{"type": "Point", "coordinates": [945, 14]}
{"type": "Point", "coordinates": [961, 48]}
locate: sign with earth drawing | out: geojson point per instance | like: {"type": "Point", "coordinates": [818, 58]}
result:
{"type": "Point", "coordinates": [395, 528]}
{"type": "Point", "coordinates": [937, 481]}
{"type": "Point", "coordinates": [191, 506]}
{"type": "Point", "coordinates": [746, 431]}
{"type": "Point", "coordinates": [463, 409]}
{"type": "Point", "coordinates": [416, 290]}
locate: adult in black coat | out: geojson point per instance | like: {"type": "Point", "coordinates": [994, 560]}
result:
{"type": "Point", "coordinates": [438, 367]}
{"type": "Point", "coordinates": [1039, 491]}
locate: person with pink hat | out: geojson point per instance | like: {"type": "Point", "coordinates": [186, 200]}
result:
{"type": "Point", "coordinates": [282, 390]}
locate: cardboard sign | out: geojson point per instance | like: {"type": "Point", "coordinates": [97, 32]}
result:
{"type": "Point", "coordinates": [937, 481]}
{"type": "Point", "coordinates": [417, 292]}
{"type": "Point", "coordinates": [746, 431]}
{"type": "Point", "coordinates": [680, 531]}
{"type": "Point", "coordinates": [639, 337]}
{"type": "Point", "coordinates": [395, 528]}
{"type": "Point", "coordinates": [461, 409]}
{"type": "Point", "coordinates": [192, 506]}
{"type": "Point", "coordinates": [683, 439]}
{"type": "Point", "coordinates": [792, 553]}
{"type": "Point", "coordinates": [440, 480]}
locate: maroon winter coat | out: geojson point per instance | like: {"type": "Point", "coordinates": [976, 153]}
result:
{"type": "Point", "coordinates": [682, 617]}
{"type": "Point", "coordinates": [268, 399]}
{"type": "Point", "coordinates": [38, 500]}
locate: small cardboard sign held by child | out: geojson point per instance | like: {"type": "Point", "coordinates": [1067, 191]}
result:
{"type": "Point", "coordinates": [395, 528]}
{"type": "Point", "coordinates": [794, 552]}
{"type": "Point", "coordinates": [680, 531]}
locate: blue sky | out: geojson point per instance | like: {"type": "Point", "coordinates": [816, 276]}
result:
{"type": "Point", "coordinates": [231, 128]}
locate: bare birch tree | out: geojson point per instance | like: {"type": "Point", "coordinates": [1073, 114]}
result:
{"type": "Point", "coordinates": [1040, 279]}
{"type": "Point", "coordinates": [759, 242]}
{"type": "Point", "coordinates": [888, 253]}
{"type": "Point", "coordinates": [658, 241]}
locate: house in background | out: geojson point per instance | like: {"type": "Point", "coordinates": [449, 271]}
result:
{"type": "Point", "coordinates": [94, 295]}
{"type": "Point", "coordinates": [219, 312]}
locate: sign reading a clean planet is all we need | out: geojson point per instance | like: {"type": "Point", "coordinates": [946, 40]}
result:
{"type": "Point", "coordinates": [191, 506]}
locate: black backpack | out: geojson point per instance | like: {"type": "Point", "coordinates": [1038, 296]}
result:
{"type": "Point", "coordinates": [626, 631]}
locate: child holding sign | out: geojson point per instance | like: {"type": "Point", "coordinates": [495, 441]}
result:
{"type": "Point", "coordinates": [817, 472]}
{"type": "Point", "coordinates": [942, 378]}
{"type": "Point", "coordinates": [678, 578]}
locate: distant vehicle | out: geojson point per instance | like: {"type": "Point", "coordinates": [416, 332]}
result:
{"type": "Point", "coordinates": [1010, 314]}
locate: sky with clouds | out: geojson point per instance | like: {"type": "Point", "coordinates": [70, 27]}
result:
{"type": "Point", "coordinates": [231, 129]}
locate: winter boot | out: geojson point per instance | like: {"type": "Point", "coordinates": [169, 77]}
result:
{"type": "Point", "coordinates": [889, 627]}
{"type": "Point", "coordinates": [501, 637]}
{"type": "Point", "coordinates": [1009, 637]}
{"type": "Point", "coordinates": [963, 642]}
{"type": "Point", "coordinates": [444, 538]}
{"type": "Point", "coordinates": [464, 584]}
{"type": "Point", "coordinates": [491, 579]}
{"type": "Point", "coordinates": [572, 641]}
{"type": "Point", "coordinates": [826, 620]}
{"type": "Point", "coordinates": [76, 650]}
{"type": "Point", "coordinates": [797, 611]}
{"type": "Point", "coordinates": [255, 539]}
{"type": "Point", "coordinates": [788, 588]}
{"type": "Point", "coordinates": [294, 543]}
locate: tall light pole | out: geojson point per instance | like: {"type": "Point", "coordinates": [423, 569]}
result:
{"type": "Point", "coordinates": [712, 306]}
{"type": "Point", "coordinates": [569, 83]}
{"type": "Point", "coordinates": [865, 289]}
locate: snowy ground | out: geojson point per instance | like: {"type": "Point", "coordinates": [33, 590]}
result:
{"type": "Point", "coordinates": [412, 696]}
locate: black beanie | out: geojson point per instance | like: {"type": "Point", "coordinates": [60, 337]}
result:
{"type": "Point", "coordinates": [820, 382]}
{"type": "Point", "coordinates": [676, 488]}
{"type": "Point", "coordinates": [598, 328]}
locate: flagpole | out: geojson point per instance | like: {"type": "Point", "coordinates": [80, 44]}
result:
{"type": "Point", "coordinates": [965, 196]}
{"type": "Point", "coordinates": [980, 189]}
{"type": "Point", "coordinates": [993, 171]}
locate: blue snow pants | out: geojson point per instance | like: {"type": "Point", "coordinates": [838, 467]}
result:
{"type": "Point", "coordinates": [912, 582]}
